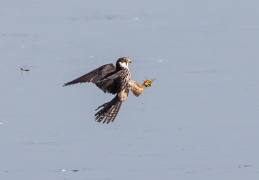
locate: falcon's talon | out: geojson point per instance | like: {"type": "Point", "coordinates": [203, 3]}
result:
{"type": "Point", "coordinates": [137, 89]}
{"type": "Point", "coordinates": [147, 83]}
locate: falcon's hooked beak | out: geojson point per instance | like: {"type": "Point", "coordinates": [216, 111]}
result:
{"type": "Point", "coordinates": [128, 60]}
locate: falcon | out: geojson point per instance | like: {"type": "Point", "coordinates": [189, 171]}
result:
{"type": "Point", "coordinates": [114, 80]}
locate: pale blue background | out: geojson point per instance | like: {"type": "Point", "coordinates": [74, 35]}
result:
{"type": "Point", "coordinates": [199, 120]}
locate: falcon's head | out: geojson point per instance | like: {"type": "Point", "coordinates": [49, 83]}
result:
{"type": "Point", "coordinates": [123, 62]}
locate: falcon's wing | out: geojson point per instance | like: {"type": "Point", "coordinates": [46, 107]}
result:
{"type": "Point", "coordinates": [112, 83]}
{"type": "Point", "coordinates": [95, 75]}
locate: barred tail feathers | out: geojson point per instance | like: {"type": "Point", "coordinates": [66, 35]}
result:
{"type": "Point", "coordinates": [108, 111]}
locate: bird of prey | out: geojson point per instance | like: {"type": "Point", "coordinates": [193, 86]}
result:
{"type": "Point", "coordinates": [115, 80]}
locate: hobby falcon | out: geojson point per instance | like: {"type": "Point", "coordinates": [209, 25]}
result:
{"type": "Point", "coordinates": [115, 80]}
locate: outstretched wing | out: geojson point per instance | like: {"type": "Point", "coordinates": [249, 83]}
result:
{"type": "Point", "coordinates": [109, 111]}
{"type": "Point", "coordinates": [95, 75]}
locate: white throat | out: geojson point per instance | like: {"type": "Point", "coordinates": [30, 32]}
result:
{"type": "Point", "coordinates": [124, 65]}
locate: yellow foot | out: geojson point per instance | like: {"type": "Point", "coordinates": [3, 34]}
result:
{"type": "Point", "coordinates": [147, 83]}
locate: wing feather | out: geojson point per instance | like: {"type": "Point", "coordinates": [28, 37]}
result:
{"type": "Point", "coordinates": [111, 83]}
{"type": "Point", "coordinates": [95, 75]}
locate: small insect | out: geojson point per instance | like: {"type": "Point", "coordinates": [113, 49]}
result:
{"type": "Point", "coordinates": [24, 68]}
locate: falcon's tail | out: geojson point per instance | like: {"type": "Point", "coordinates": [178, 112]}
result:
{"type": "Point", "coordinates": [108, 111]}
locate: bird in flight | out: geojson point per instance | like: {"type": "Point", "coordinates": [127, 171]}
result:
{"type": "Point", "coordinates": [114, 80]}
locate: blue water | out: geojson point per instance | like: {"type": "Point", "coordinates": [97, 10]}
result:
{"type": "Point", "coordinates": [199, 120]}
